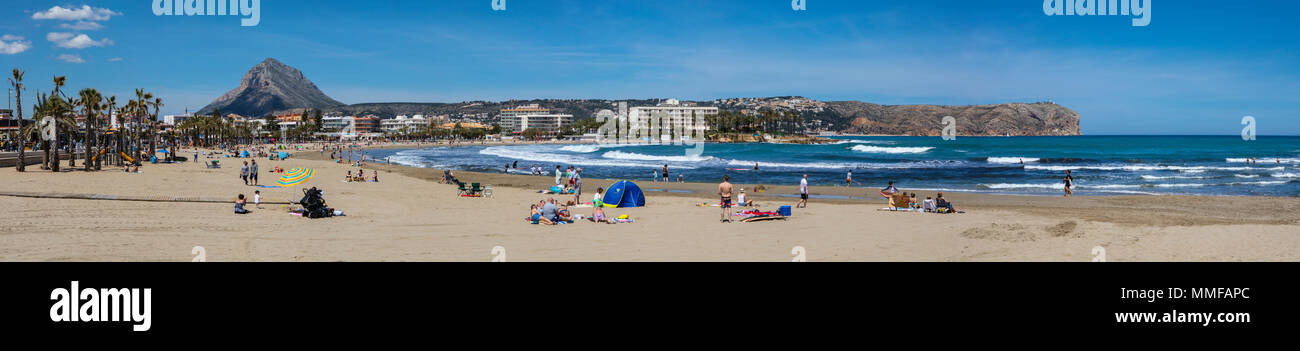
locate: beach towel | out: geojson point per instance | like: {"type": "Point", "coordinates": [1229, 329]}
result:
{"type": "Point", "coordinates": [764, 218]}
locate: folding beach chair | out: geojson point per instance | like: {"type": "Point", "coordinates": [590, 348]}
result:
{"type": "Point", "coordinates": [476, 189]}
{"type": "Point", "coordinates": [463, 189]}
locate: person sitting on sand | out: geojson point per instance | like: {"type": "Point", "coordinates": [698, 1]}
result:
{"type": "Point", "coordinates": [742, 201]}
{"type": "Point", "coordinates": [928, 205]}
{"type": "Point", "coordinates": [911, 201]}
{"type": "Point", "coordinates": [944, 204]}
{"type": "Point", "coordinates": [239, 205]}
{"type": "Point", "coordinates": [550, 212]}
{"type": "Point", "coordinates": [348, 178]}
{"type": "Point", "coordinates": [598, 214]}
{"type": "Point", "coordinates": [375, 177]}
{"type": "Point", "coordinates": [563, 214]}
{"type": "Point", "coordinates": [598, 199]}
{"type": "Point", "coordinates": [535, 215]}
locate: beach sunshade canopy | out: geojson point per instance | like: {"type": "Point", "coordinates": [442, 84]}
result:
{"type": "Point", "coordinates": [283, 155]}
{"type": "Point", "coordinates": [295, 176]}
{"type": "Point", "coordinates": [624, 194]}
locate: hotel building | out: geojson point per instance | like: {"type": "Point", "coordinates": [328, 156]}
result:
{"type": "Point", "coordinates": [521, 118]}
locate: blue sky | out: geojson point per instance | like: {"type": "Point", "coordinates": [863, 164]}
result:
{"type": "Point", "coordinates": [1196, 69]}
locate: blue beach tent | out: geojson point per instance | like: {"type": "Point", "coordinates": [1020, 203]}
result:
{"type": "Point", "coordinates": [623, 194]}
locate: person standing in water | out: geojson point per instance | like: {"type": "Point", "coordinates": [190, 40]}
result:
{"type": "Point", "coordinates": [848, 180]}
{"type": "Point", "coordinates": [1069, 183]}
{"type": "Point", "coordinates": [666, 173]}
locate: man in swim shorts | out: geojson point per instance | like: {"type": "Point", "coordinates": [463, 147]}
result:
{"type": "Point", "coordinates": [724, 191]}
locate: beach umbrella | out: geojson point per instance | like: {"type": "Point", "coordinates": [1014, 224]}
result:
{"type": "Point", "coordinates": [295, 176]}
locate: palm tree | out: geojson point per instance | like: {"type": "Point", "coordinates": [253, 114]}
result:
{"type": "Point", "coordinates": [110, 106]}
{"type": "Point", "coordinates": [90, 105]}
{"type": "Point", "coordinates": [153, 125]}
{"type": "Point", "coordinates": [54, 109]}
{"type": "Point", "coordinates": [17, 82]}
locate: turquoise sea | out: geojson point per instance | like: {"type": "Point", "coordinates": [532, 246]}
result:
{"type": "Point", "coordinates": [1102, 165]}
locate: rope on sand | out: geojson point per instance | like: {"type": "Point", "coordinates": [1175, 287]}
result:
{"type": "Point", "coordinates": [73, 196]}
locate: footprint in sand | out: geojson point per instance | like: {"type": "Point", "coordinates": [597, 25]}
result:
{"type": "Point", "coordinates": [1020, 233]}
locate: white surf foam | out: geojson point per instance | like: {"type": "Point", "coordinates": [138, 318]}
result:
{"type": "Point", "coordinates": [619, 155]}
{"type": "Point", "coordinates": [1140, 168]}
{"type": "Point", "coordinates": [892, 150]}
{"type": "Point", "coordinates": [1013, 160]}
{"type": "Point", "coordinates": [581, 148]}
{"type": "Point", "coordinates": [516, 153]}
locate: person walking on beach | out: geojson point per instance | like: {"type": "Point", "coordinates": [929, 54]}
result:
{"type": "Point", "coordinates": [557, 174]}
{"type": "Point", "coordinates": [848, 180]}
{"type": "Point", "coordinates": [724, 191]}
{"type": "Point", "coordinates": [1069, 183]}
{"type": "Point", "coordinates": [243, 172]}
{"type": "Point", "coordinates": [803, 192]}
{"type": "Point", "coordinates": [654, 175]}
{"type": "Point", "coordinates": [252, 172]}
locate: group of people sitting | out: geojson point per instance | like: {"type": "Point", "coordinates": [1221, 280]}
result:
{"type": "Point", "coordinates": [552, 212]}
{"type": "Point", "coordinates": [361, 177]}
{"type": "Point", "coordinates": [549, 212]}
{"type": "Point", "coordinates": [899, 200]}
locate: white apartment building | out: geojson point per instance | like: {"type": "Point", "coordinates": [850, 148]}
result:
{"type": "Point", "coordinates": [670, 114]}
{"type": "Point", "coordinates": [521, 118]}
{"type": "Point", "coordinates": [171, 119]}
{"type": "Point", "coordinates": [396, 125]}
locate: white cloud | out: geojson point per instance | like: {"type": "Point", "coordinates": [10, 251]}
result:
{"type": "Point", "coordinates": [82, 25]}
{"type": "Point", "coordinates": [115, 59]}
{"type": "Point", "coordinates": [75, 41]}
{"type": "Point", "coordinates": [72, 58]}
{"type": "Point", "coordinates": [13, 44]}
{"type": "Point", "coordinates": [85, 13]}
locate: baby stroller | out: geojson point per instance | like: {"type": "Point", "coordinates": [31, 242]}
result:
{"type": "Point", "coordinates": [313, 204]}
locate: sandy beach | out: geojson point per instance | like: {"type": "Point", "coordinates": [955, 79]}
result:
{"type": "Point", "coordinates": [408, 216]}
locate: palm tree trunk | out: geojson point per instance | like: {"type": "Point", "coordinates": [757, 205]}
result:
{"type": "Point", "coordinates": [22, 141]}
{"type": "Point", "coordinates": [45, 155]}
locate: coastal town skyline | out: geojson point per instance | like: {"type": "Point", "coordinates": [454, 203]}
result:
{"type": "Point", "coordinates": [1174, 76]}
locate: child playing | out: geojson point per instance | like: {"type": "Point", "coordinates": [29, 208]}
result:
{"type": "Point", "coordinates": [257, 199]}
